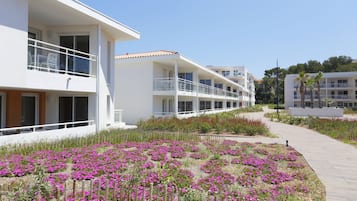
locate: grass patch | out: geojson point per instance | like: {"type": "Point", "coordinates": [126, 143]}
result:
{"type": "Point", "coordinates": [352, 111]}
{"type": "Point", "coordinates": [113, 136]}
{"type": "Point", "coordinates": [227, 122]}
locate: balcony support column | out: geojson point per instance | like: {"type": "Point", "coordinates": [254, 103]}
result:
{"type": "Point", "coordinates": [176, 89]}
{"type": "Point", "coordinates": [99, 50]}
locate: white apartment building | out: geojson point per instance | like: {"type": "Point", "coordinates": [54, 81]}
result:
{"type": "Point", "coordinates": [240, 75]}
{"type": "Point", "coordinates": [164, 83]}
{"type": "Point", "coordinates": [338, 89]}
{"type": "Point", "coordinates": [57, 66]}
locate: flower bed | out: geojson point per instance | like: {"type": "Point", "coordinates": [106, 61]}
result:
{"type": "Point", "coordinates": [166, 170]}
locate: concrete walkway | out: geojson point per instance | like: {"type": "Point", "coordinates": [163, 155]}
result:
{"type": "Point", "coordinates": [334, 162]}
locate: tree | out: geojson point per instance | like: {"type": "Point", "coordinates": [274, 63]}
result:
{"type": "Point", "coordinates": [310, 83]}
{"type": "Point", "coordinates": [318, 79]}
{"type": "Point", "coordinates": [302, 78]}
{"type": "Point", "coordinates": [266, 88]}
{"type": "Point", "coordinates": [313, 66]}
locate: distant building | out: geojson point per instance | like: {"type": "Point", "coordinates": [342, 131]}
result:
{"type": "Point", "coordinates": [165, 83]}
{"type": "Point", "coordinates": [240, 75]}
{"type": "Point", "coordinates": [338, 89]}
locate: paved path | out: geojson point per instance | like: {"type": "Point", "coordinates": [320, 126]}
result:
{"type": "Point", "coordinates": [334, 162]}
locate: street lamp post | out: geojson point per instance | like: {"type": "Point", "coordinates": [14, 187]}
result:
{"type": "Point", "coordinates": [277, 88]}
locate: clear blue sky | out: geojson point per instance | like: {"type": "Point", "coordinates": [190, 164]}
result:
{"type": "Point", "coordinates": [253, 33]}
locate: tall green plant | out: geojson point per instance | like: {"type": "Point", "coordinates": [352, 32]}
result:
{"type": "Point", "coordinates": [318, 79]}
{"type": "Point", "coordinates": [310, 83]}
{"type": "Point", "coordinates": [302, 78]}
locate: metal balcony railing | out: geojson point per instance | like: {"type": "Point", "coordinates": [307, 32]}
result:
{"type": "Point", "coordinates": [44, 127]}
{"type": "Point", "coordinates": [168, 84]}
{"type": "Point", "coordinates": [52, 58]}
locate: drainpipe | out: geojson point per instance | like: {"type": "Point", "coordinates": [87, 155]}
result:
{"type": "Point", "coordinates": [99, 43]}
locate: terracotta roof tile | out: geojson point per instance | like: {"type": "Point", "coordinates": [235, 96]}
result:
{"type": "Point", "coordinates": [146, 54]}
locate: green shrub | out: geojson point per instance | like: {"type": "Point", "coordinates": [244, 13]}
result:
{"type": "Point", "coordinates": [204, 127]}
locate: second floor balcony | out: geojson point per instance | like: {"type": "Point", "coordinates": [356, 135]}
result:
{"type": "Point", "coordinates": [47, 57]}
{"type": "Point", "coordinates": [322, 97]}
{"type": "Point", "coordinates": [168, 84]}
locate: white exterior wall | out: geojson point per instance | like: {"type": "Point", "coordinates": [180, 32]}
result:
{"type": "Point", "coordinates": [289, 90]}
{"type": "Point", "coordinates": [133, 90]}
{"type": "Point", "coordinates": [13, 40]}
{"type": "Point", "coordinates": [105, 88]}
{"type": "Point", "coordinates": [17, 17]}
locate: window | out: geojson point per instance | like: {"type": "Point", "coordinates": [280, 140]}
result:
{"type": "Point", "coordinates": [342, 83]}
{"type": "Point", "coordinates": [72, 109]}
{"type": "Point", "coordinates": [332, 94]}
{"type": "Point", "coordinates": [2, 110]}
{"type": "Point", "coordinates": [164, 106]}
{"type": "Point", "coordinates": [355, 83]}
{"type": "Point", "coordinates": [234, 104]}
{"type": "Point", "coordinates": [228, 104]}
{"type": "Point", "coordinates": [225, 73]}
{"type": "Point", "coordinates": [185, 106]}
{"type": "Point", "coordinates": [342, 94]}
{"type": "Point", "coordinates": [186, 76]}
{"type": "Point", "coordinates": [332, 84]}
{"type": "Point", "coordinates": [218, 104]}
{"type": "Point", "coordinates": [29, 110]}
{"type": "Point", "coordinates": [205, 105]}
{"type": "Point", "coordinates": [356, 94]}
{"type": "Point", "coordinates": [206, 82]}
{"type": "Point", "coordinates": [218, 85]}
{"type": "Point", "coordinates": [236, 72]}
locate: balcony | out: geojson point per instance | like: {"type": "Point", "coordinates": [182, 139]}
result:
{"type": "Point", "coordinates": [336, 85]}
{"type": "Point", "coordinates": [47, 57]}
{"type": "Point", "coordinates": [335, 97]}
{"type": "Point", "coordinates": [190, 87]}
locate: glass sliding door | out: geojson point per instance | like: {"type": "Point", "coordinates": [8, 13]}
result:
{"type": "Point", "coordinates": [65, 110]}
{"type": "Point", "coordinates": [1, 112]}
{"type": "Point", "coordinates": [73, 109]}
{"type": "Point", "coordinates": [81, 110]}
{"type": "Point", "coordinates": [28, 110]}
{"type": "Point", "coordinates": [74, 61]}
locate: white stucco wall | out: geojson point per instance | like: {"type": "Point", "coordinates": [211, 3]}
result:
{"type": "Point", "coordinates": [133, 90]}
{"type": "Point", "coordinates": [13, 40]}
{"type": "Point", "coordinates": [289, 90]}
{"type": "Point", "coordinates": [316, 112]}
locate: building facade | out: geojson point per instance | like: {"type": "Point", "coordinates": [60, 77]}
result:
{"type": "Point", "coordinates": [57, 68]}
{"type": "Point", "coordinates": [338, 89]}
{"type": "Point", "coordinates": [164, 83]}
{"type": "Point", "coordinates": [240, 75]}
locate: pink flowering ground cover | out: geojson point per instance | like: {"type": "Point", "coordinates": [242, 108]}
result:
{"type": "Point", "coordinates": [167, 170]}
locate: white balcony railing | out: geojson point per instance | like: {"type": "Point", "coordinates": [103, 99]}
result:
{"type": "Point", "coordinates": [118, 116]}
{"type": "Point", "coordinates": [186, 85]}
{"type": "Point", "coordinates": [168, 84]}
{"type": "Point", "coordinates": [44, 127]}
{"type": "Point", "coordinates": [52, 58]}
{"type": "Point", "coordinates": [164, 84]}
{"type": "Point", "coordinates": [307, 97]}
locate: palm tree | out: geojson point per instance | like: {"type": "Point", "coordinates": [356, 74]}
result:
{"type": "Point", "coordinates": [302, 78]}
{"type": "Point", "coordinates": [318, 79]}
{"type": "Point", "coordinates": [310, 83]}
